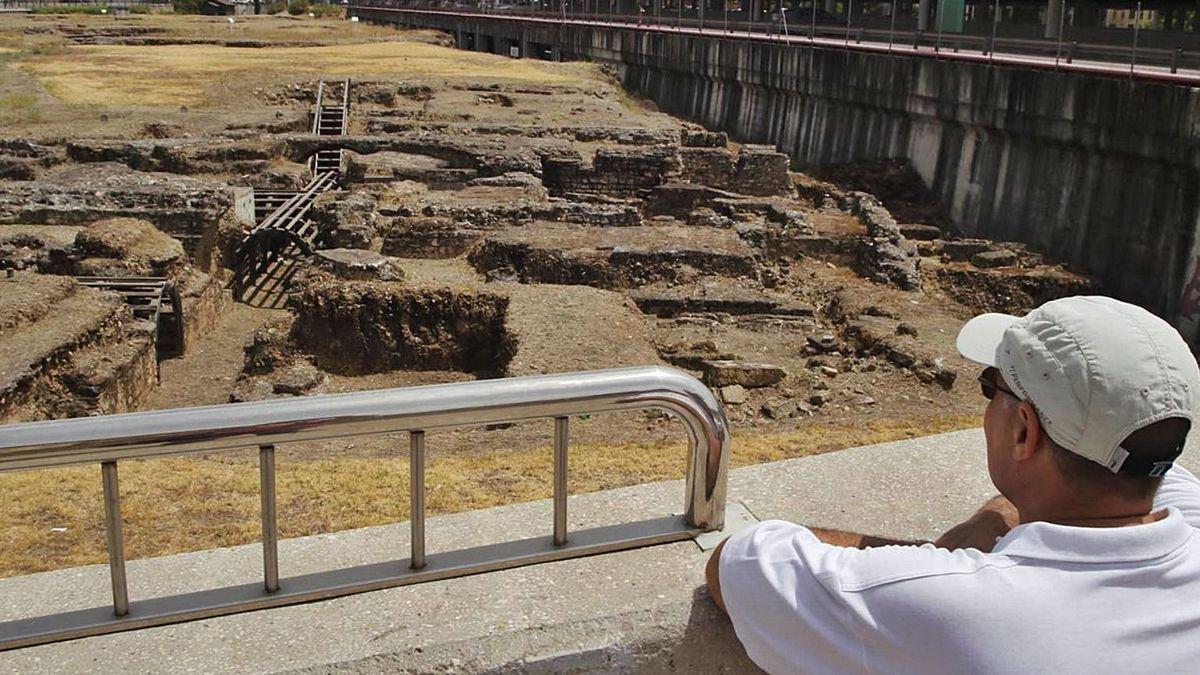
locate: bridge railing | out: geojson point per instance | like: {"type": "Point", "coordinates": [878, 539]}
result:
{"type": "Point", "coordinates": [1131, 48]}
{"type": "Point", "coordinates": [263, 425]}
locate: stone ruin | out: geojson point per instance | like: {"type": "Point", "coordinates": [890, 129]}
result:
{"type": "Point", "coordinates": [461, 241]}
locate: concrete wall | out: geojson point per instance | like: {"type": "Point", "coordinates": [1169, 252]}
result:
{"type": "Point", "coordinates": [1100, 172]}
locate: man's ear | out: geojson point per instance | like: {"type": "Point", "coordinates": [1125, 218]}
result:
{"type": "Point", "coordinates": [1028, 430]}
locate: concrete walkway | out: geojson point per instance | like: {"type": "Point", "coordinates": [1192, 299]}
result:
{"type": "Point", "coordinates": [644, 609]}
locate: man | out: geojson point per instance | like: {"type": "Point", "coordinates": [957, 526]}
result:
{"type": "Point", "coordinates": [1089, 562]}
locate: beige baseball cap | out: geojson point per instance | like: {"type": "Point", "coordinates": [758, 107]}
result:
{"type": "Point", "coordinates": [1096, 369]}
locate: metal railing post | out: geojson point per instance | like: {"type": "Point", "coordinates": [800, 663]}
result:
{"type": "Point", "coordinates": [937, 45]}
{"type": "Point", "coordinates": [116, 539]}
{"type": "Point", "coordinates": [561, 439]}
{"type": "Point", "coordinates": [849, 13]}
{"type": "Point", "coordinates": [416, 471]}
{"type": "Point", "coordinates": [1137, 27]}
{"type": "Point", "coordinates": [892, 28]}
{"type": "Point", "coordinates": [1062, 22]}
{"type": "Point", "coordinates": [270, 522]}
{"type": "Point", "coordinates": [992, 42]}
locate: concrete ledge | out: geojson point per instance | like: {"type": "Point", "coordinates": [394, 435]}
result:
{"type": "Point", "coordinates": [643, 610]}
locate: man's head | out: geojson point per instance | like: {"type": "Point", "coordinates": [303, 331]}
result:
{"type": "Point", "coordinates": [1090, 400]}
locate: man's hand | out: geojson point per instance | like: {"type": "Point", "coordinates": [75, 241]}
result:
{"type": "Point", "coordinates": [981, 530]}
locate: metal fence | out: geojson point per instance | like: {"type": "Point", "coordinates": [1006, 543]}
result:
{"type": "Point", "coordinates": [32, 4]}
{"type": "Point", "coordinates": [264, 425]}
{"type": "Point", "coordinates": [859, 23]}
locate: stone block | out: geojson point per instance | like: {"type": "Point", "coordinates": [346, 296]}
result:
{"type": "Point", "coordinates": [358, 265]}
{"type": "Point", "coordinates": [752, 375]}
{"type": "Point", "coordinates": [962, 250]}
{"type": "Point", "coordinates": [919, 232]}
{"type": "Point", "coordinates": [707, 166]}
{"type": "Point", "coordinates": [990, 259]}
{"type": "Point", "coordinates": [760, 170]}
{"type": "Point", "coordinates": [297, 379]}
{"type": "Point", "coordinates": [780, 408]}
{"type": "Point", "coordinates": [427, 237]}
{"type": "Point", "coordinates": [888, 256]}
{"type": "Point", "coordinates": [703, 138]}
{"type": "Point", "coordinates": [825, 342]}
{"type": "Point", "coordinates": [734, 394]}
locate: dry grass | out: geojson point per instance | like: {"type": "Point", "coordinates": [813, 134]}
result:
{"type": "Point", "coordinates": [182, 504]}
{"type": "Point", "coordinates": [199, 75]}
{"type": "Point", "coordinates": [19, 31]}
{"type": "Point", "coordinates": [270, 28]}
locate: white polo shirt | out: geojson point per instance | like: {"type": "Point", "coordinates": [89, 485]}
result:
{"type": "Point", "coordinates": [1048, 599]}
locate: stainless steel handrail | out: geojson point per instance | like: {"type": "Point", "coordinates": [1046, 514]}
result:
{"type": "Point", "coordinates": [263, 425]}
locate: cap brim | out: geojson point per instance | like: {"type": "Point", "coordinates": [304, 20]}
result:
{"type": "Point", "coordinates": [980, 337]}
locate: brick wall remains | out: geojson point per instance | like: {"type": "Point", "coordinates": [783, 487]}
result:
{"type": "Point", "coordinates": [620, 172]}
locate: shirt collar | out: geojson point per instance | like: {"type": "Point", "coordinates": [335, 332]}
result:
{"type": "Point", "coordinates": [1064, 543]}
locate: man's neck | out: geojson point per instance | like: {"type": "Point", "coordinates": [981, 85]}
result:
{"type": "Point", "coordinates": [1116, 516]}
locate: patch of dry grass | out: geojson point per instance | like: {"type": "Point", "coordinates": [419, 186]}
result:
{"type": "Point", "coordinates": [183, 504]}
{"type": "Point", "coordinates": [199, 75]}
{"type": "Point", "coordinates": [258, 27]}
{"type": "Point", "coordinates": [18, 108]}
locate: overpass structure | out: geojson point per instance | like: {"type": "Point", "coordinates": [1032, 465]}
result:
{"type": "Point", "coordinates": [1094, 162]}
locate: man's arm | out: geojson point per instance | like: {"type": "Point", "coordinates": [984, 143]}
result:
{"type": "Point", "coordinates": [712, 571]}
{"type": "Point", "coordinates": [994, 519]}
{"type": "Point", "coordinates": [856, 540]}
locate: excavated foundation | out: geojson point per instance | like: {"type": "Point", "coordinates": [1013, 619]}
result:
{"type": "Point", "coordinates": [364, 327]}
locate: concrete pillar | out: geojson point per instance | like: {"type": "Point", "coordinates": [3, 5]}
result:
{"type": "Point", "coordinates": [1054, 17]}
{"type": "Point", "coordinates": [923, 9]}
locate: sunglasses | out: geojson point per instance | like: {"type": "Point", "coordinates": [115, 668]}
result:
{"type": "Point", "coordinates": [989, 385]}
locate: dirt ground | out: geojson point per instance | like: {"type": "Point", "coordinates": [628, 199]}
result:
{"type": "Point", "coordinates": [538, 187]}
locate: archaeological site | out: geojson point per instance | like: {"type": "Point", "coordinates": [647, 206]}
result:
{"type": "Point", "coordinates": [202, 211]}
{"type": "Point", "coordinates": [297, 234]}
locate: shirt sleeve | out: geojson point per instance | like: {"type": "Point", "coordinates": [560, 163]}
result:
{"type": "Point", "coordinates": [1180, 489]}
{"type": "Point", "coordinates": [785, 605]}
